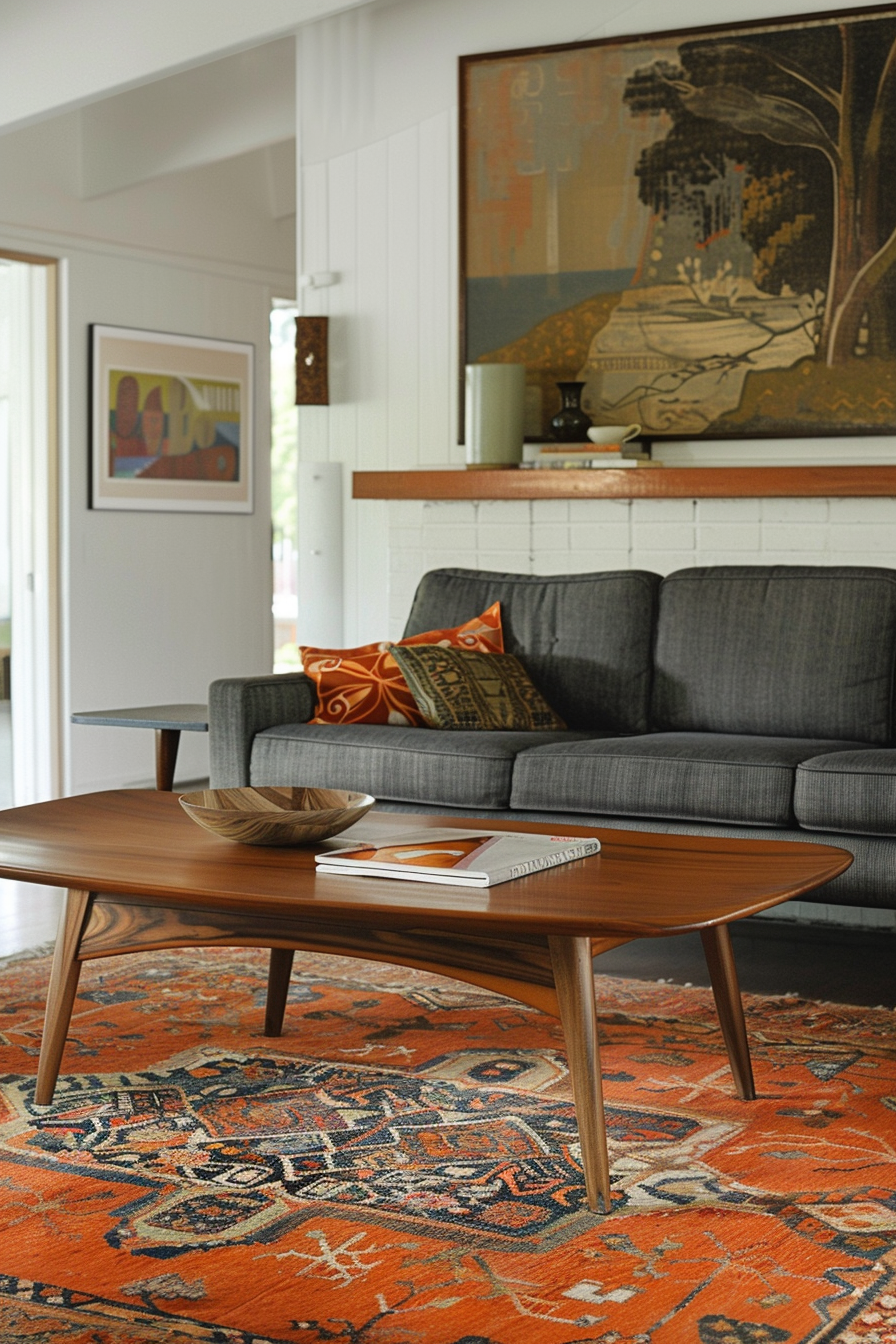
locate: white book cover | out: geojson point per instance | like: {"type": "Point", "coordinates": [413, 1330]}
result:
{"type": "Point", "coordinates": [462, 858]}
{"type": "Point", "coordinates": [607, 461]}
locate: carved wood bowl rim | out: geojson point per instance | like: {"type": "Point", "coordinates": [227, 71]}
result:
{"type": "Point", "coordinates": [276, 814]}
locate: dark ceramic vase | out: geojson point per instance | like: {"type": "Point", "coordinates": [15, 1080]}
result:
{"type": "Point", "coordinates": [571, 424]}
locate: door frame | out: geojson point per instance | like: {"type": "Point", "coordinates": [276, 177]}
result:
{"type": "Point", "coordinates": [38, 739]}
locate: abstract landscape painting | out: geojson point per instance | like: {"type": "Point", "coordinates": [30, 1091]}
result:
{"type": "Point", "coordinates": [700, 226]}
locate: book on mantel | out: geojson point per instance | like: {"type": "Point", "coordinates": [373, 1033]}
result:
{"type": "Point", "coordinates": [584, 455]}
{"type": "Point", "coordinates": [463, 858]}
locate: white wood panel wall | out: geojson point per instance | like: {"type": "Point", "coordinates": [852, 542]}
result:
{"type": "Point", "coordinates": [380, 208]}
{"type": "Point", "coordinates": [155, 605]}
{"type": "Point", "coordinates": [382, 217]}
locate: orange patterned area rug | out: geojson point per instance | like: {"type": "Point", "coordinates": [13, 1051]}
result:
{"type": "Point", "coordinates": [402, 1165]}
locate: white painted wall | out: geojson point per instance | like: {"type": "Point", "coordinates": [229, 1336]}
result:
{"type": "Point", "coordinates": [4, 442]}
{"type": "Point", "coordinates": [159, 604]}
{"type": "Point", "coordinates": [155, 605]}
{"type": "Point", "coordinates": [217, 111]}
{"type": "Point", "coordinates": [60, 54]}
{"type": "Point", "coordinates": [378, 188]}
{"type": "Point", "coordinates": [220, 213]}
{"type": "Point", "coordinates": [201, 252]}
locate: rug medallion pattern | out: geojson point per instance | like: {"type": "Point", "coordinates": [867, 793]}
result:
{"type": "Point", "coordinates": [402, 1166]}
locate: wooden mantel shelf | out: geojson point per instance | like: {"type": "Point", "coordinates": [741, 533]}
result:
{"type": "Point", "coordinates": [640, 483]}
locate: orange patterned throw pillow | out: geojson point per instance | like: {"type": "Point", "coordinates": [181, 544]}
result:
{"type": "Point", "coordinates": [364, 685]}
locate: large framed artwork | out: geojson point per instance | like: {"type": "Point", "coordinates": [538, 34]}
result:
{"type": "Point", "coordinates": [698, 226]}
{"type": "Point", "coordinates": [170, 422]}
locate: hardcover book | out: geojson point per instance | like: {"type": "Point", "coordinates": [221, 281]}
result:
{"type": "Point", "coordinates": [463, 858]}
{"type": "Point", "coordinates": [588, 455]}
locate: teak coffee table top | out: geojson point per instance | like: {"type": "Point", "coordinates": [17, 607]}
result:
{"type": "Point", "coordinates": [142, 875]}
{"type": "Point", "coordinates": [641, 884]}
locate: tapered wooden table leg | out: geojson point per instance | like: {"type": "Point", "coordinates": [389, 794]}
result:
{"type": "Point", "coordinates": [167, 743]}
{"type": "Point", "coordinates": [279, 971]}
{"type": "Point", "coordinates": [726, 991]}
{"type": "Point", "coordinates": [61, 994]}
{"type": "Point", "coordinates": [574, 982]}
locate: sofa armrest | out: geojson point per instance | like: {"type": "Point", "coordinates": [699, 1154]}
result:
{"type": "Point", "coordinates": [240, 707]}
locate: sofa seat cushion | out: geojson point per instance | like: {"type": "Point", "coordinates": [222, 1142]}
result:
{"type": "Point", "coordinates": [850, 791]}
{"type": "Point", "coordinates": [454, 769]}
{"type": "Point", "coordinates": [684, 776]}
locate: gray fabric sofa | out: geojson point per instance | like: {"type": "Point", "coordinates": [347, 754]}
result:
{"type": "Point", "coordinates": [735, 700]}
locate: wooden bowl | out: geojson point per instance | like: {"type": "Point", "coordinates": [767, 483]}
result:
{"type": "Point", "coordinates": [276, 816]}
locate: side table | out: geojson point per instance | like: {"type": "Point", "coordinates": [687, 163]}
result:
{"type": "Point", "coordinates": [169, 722]}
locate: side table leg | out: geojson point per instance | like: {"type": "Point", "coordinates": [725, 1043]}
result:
{"type": "Point", "coordinates": [61, 994]}
{"type": "Point", "coordinates": [574, 982]}
{"type": "Point", "coordinates": [167, 743]}
{"type": "Point", "coordinates": [279, 971]}
{"type": "Point", "coordinates": [726, 991]}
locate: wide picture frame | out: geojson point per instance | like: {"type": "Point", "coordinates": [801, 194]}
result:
{"type": "Point", "coordinates": [699, 226]}
{"type": "Point", "coordinates": [171, 422]}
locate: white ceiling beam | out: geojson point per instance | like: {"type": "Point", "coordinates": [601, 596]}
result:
{"type": "Point", "coordinates": [58, 55]}
{"type": "Point", "coordinates": [216, 111]}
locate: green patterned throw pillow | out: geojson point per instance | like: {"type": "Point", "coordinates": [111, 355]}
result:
{"type": "Point", "coordinates": [460, 688]}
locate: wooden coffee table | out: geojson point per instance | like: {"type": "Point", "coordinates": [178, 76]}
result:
{"type": "Point", "coordinates": [141, 875]}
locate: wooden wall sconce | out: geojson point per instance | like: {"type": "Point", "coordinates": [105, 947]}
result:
{"type": "Point", "coordinates": [312, 381]}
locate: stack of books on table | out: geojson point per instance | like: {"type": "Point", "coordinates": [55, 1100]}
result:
{"type": "Point", "coordinates": [585, 455]}
{"type": "Point", "coordinates": [462, 858]}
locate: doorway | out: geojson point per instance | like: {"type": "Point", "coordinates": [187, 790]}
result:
{"type": "Point", "coordinates": [30, 728]}
{"type": "Point", "coordinates": [30, 737]}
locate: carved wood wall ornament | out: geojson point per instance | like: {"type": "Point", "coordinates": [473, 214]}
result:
{"type": "Point", "coordinates": [312, 378]}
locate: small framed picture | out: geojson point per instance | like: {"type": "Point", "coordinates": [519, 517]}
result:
{"type": "Point", "coordinates": [171, 420]}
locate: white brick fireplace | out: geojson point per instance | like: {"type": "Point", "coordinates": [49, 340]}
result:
{"type": "Point", "coordinates": [569, 536]}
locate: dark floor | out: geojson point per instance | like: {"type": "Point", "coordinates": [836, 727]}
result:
{"type": "Point", "coordinates": [815, 961]}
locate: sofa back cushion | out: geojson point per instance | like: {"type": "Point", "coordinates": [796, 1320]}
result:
{"type": "Point", "coordinates": [787, 650]}
{"type": "Point", "coordinates": [584, 639]}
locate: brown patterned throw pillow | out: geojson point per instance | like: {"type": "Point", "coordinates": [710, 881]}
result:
{"type": "Point", "coordinates": [459, 688]}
